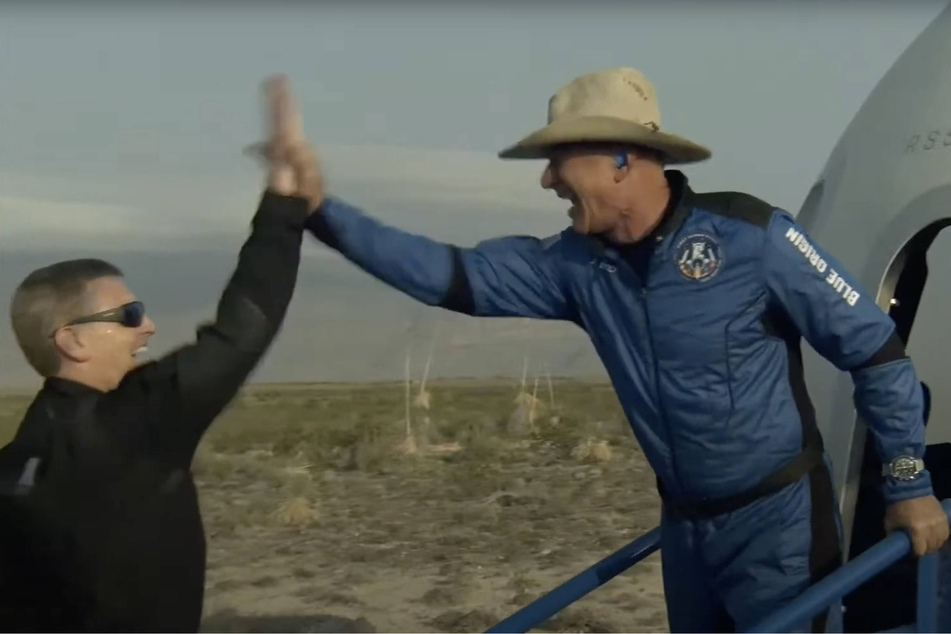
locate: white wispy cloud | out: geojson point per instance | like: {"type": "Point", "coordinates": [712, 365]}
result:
{"type": "Point", "coordinates": [38, 220]}
{"type": "Point", "coordinates": [449, 178]}
{"type": "Point", "coordinates": [165, 212]}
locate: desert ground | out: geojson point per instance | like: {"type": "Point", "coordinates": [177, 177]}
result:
{"type": "Point", "coordinates": [325, 511]}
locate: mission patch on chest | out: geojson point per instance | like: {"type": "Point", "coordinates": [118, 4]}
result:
{"type": "Point", "coordinates": [699, 257]}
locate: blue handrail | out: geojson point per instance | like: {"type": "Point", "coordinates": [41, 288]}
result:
{"type": "Point", "coordinates": [581, 584]}
{"type": "Point", "coordinates": [809, 604]}
{"type": "Point", "coordinates": [849, 577]}
{"type": "Point", "coordinates": [927, 608]}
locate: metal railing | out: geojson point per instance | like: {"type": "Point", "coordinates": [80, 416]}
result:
{"type": "Point", "coordinates": [809, 604]}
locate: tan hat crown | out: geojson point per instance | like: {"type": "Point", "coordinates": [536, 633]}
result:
{"type": "Point", "coordinates": [622, 93]}
{"type": "Point", "coordinates": [618, 105]}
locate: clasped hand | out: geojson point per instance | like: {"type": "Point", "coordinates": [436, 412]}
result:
{"type": "Point", "coordinates": [924, 519]}
{"type": "Point", "coordinates": [293, 168]}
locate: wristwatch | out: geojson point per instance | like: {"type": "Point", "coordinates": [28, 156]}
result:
{"type": "Point", "coordinates": [903, 468]}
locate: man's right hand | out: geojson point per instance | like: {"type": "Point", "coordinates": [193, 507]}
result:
{"type": "Point", "coordinates": [293, 166]}
{"type": "Point", "coordinates": [924, 519]}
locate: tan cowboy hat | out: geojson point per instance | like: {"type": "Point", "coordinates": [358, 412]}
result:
{"type": "Point", "coordinates": [617, 105]}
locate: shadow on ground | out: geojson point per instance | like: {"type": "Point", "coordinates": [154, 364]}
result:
{"type": "Point", "coordinates": [230, 621]}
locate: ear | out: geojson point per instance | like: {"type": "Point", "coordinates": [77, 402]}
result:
{"type": "Point", "coordinates": [622, 164]}
{"type": "Point", "coordinates": [70, 344]}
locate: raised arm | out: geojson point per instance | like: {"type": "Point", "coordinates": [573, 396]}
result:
{"type": "Point", "coordinates": [511, 276]}
{"type": "Point", "coordinates": [845, 325]}
{"type": "Point", "coordinates": [187, 388]}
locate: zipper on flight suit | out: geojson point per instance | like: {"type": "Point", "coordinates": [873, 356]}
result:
{"type": "Point", "coordinates": [642, 290]}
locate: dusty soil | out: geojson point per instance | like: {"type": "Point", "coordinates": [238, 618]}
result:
{"type": "Point", "coordinates": [326, 512]}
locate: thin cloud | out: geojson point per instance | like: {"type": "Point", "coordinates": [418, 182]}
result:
{"type": "Point", "coordinates": [164, 212]}
{"type": "Point", "coordinates": [440, 177]}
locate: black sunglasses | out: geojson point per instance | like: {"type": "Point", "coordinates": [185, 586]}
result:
{"type": "Point", "coordinates": [129, 315]}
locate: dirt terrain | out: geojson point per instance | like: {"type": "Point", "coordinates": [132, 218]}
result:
{"type": "Point", "coordinates": [326, 512]}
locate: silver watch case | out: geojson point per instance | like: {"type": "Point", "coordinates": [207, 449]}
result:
{"type": "Point", "coordinates": [903, 468]}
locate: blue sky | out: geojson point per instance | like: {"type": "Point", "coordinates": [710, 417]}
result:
{"type": "Point", "coordinates": [122, 124]}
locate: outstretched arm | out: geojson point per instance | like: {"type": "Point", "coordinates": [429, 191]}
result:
{"type": "Point", "coordinates": [186, 389]}
{"type": "Point", "coordinates": [511, 276]}
{"type": "Point", "coordinates": [845, 325]}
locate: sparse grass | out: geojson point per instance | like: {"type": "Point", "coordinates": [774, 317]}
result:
{"type": "Point", "coordinates": [313, 496]}
{"type": "Point", "coordinates": [12, 408]}
{"type": "Point", "coordinates": [591, 450]}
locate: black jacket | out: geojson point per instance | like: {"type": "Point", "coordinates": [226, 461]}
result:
{"type": "Point", "coordinates": [114, 540]}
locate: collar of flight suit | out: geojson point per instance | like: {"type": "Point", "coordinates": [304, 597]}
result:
{"type": "Point", "coordinates": [679, 205]}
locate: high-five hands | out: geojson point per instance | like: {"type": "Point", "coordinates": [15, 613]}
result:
{"type": "Point", "coordinates": [293, 169]}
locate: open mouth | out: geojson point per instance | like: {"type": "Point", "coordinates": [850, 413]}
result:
{"type": "Point", "coordinates": [569, 196]}
{"type": "Point", "coordinates": [140, 351]}
{"type": "Point", "coordinates": [575, 208]}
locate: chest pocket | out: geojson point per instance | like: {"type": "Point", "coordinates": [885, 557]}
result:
{"type": "Point", "coordinates": [691, 352]}
{"type": "Point", "coordinates": [708, 292]}
{"type": "Point", "coordinates": [693, 300]}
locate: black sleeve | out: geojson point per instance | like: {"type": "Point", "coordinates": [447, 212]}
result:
{"type": "Point", "coordinates": [185, 390]}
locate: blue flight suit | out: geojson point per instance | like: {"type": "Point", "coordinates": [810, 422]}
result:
{"type": "Point", "coordinates": [699, 328]}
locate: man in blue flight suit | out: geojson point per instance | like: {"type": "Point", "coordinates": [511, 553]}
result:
{"type": "Point", "coordinates": [696, 304]}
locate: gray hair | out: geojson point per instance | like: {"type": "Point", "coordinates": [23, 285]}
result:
{"type": "Point", "coordinates": [48, 298]}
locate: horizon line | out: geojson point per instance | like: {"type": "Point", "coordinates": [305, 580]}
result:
{"type": "Point", "coordinates": [22, 389]}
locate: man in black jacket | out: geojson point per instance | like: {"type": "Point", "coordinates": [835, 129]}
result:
{"type": "Point", "coordinates": [110, 536]}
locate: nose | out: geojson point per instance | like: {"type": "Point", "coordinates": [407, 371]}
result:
{"type": "Point", "coordinates": [548, 177]}
{"type": "Point", "coordinates": [148, 326]}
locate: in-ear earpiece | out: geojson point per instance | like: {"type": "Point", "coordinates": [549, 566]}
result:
{"type": "Point", "coordinates": [620, 160]}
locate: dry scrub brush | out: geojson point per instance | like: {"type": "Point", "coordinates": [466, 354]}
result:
{"type": "Point", "coordinates": [360, 427]}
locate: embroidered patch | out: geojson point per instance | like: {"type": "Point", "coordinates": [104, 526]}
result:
{"type": "Point", "coordinates": [699, 257]}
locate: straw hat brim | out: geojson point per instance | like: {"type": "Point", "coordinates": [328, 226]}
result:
{"type": "Point", "coordinates": [538, 144]}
